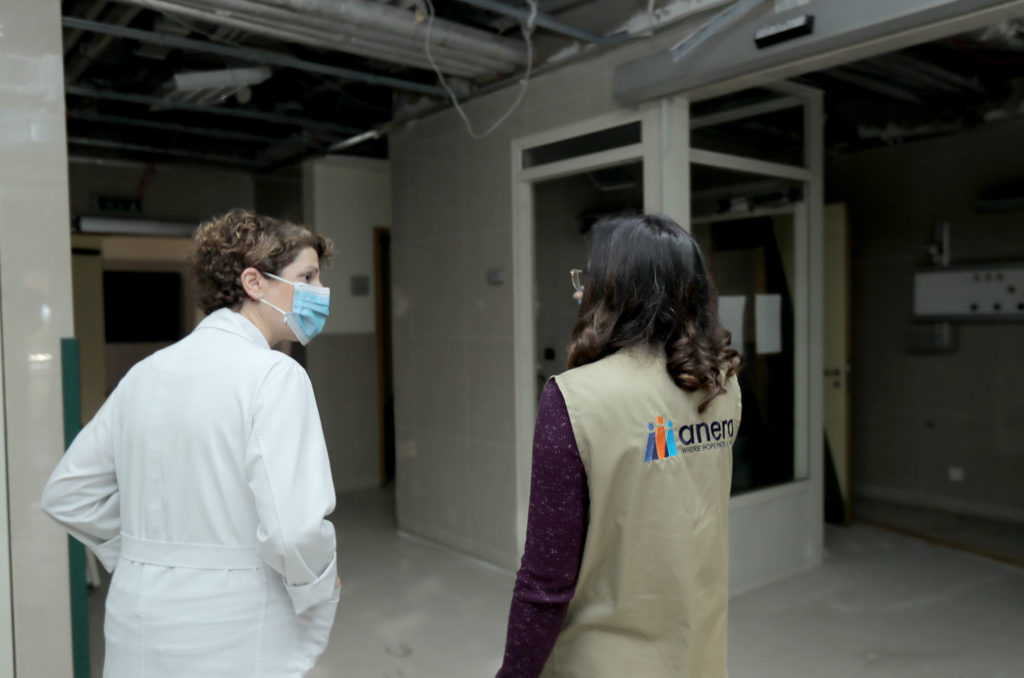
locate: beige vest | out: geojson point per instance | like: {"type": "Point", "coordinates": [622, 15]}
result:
{"type": "Point", "coordinates": [652, 593]}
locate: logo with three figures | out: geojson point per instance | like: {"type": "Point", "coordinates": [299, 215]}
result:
{"type": "Point", "coordinates": [662, 444]}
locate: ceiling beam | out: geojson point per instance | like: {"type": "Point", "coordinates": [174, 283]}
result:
{"type": "Point", "coordinates": [548, 7]}
{"type": "Point", "coordinates": [247, 113]}
{"type": "Point", "coordinates": [548, 22]}
{"type": "Point", "coordinates": [249, 54]}
{"type": "Point", "coordinates": [176, 153]}
{"type": "Point", "coordinates": [187, 129]}
{"type": "Point", "coordinates": [91, 51]}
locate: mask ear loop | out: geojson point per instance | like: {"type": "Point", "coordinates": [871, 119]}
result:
{"type": "Point", "coordinates": [276, 277]}
{"type": "Point", "coordinates": [271, 305]}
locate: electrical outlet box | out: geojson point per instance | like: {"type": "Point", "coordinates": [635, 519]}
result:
{"type": "Point", "coordinates": [982, 294]}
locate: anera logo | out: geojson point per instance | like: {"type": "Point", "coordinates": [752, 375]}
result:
{"type": "Point", "coordinates": [661, 438]}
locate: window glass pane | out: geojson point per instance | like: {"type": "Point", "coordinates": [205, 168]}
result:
{"type": "Point", "coordinates": [752, 257]}
{"type": "Point", "coordinates": [757, 124]}
{"type": "Point", "coordinates": [142, 306]}
{"type": "Point", "coordinates": [565, 209]}
{"type": "Point", "coordinates": [606, 139]}
{"type": "Point", "coordinates": [724, 192]}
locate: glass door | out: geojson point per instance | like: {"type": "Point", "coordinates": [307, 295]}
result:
{"type": "Point", "coordinates": [563, 181]}
{"type": "Point", "coordinates": [755, 176]}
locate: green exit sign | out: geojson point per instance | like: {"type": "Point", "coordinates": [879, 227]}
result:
{"type": "Point", "coordinates": [114, 205]}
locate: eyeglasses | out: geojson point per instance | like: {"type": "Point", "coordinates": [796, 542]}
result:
{"type": "Point", "coordinates": [576, 275]}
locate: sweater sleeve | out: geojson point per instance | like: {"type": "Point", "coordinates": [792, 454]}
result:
{"type": "Point", "coordinates": [555, 533]}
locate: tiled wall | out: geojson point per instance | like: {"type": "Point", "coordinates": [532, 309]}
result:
{"type": "Point", "coordinates": [914, 416]}
{"type": "Point", "coordinates": [35, 283]}
{"type": "Point", "coordinates": [453, 344]}
{"type": "Point", "coordinates": [345, 199]}
{"type": "Point", "coordinates": [343, 370]}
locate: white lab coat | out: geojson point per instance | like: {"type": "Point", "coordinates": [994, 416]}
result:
{"type": "Point", "coordinates": [203, 483]}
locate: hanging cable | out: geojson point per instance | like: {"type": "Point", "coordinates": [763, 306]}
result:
{"type": "Point", "coordinates": [527, 29]}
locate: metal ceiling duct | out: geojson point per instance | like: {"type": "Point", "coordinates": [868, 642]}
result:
{"type": "Point", "coordinates": [1006, 35]}
{"type": "Point", "coordinates": [359, 27]}
{"type": "Point", "coordinates": [372, 42]}
{"type": "Point", "coordinates": [336, 41]}
{"type": "Point", "coordinates": [362, 13]}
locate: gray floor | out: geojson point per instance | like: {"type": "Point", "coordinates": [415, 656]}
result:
{"type": "Point", "coordinates": [882, 605]}
{"type": "Point", "coordinates": [993, 538]}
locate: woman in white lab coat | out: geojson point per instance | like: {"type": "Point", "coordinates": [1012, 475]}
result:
{"type": "Point", "coordinates": [203, 481]}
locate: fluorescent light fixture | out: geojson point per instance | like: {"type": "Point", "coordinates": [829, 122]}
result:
{"type": "Point", "coordinates": [134, 226]}
{"type": "Point", "coordinates": [226, 77]}
{"type": "Point", "coordinates": [353, 141]}
{"type": "Point", "coordinates": [213, 87]}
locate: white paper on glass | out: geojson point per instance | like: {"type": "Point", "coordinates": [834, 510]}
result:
{"type": "Point", "coordinates": [730, 313]}
{"type": "Point", "coordinates": [768, 323]}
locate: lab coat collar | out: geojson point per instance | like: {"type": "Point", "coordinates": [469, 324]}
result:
{"type": "Point", "coordinates": [231, 321]}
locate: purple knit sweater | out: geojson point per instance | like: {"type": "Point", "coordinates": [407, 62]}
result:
{"type": "Point", "coordinates": [555, 533]}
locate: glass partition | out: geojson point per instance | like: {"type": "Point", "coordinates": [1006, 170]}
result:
{"type": "Point", "coordinates": [758, 123]}
{"type": "Point", "coordinates": [749, 212]}
{"type": "Point", "coordinates": [752, 259]}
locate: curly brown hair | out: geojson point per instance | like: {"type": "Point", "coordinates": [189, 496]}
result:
{"type": "Point", "coordinates": [225, 246]}
{"type": "Point", "coordinates": [647, 285]}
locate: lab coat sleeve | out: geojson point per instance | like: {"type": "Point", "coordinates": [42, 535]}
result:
{"type": "Point", "coordinates": [82, 493]}
{"type": "Point", "coordinates": [290, 478]}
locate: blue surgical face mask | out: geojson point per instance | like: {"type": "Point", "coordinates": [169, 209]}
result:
{"type": "Point", "coordinates": [310, 307]}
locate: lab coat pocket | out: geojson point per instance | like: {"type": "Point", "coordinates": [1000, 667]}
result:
{"type": "Point", "coordinates": [313, 631]}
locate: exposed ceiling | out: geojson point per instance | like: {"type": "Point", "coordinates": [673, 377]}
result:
{"type": "Point", "coordinates": [262, 84]}
{"type": "Point", "coordinates": [937, 88]}
{"type": "Point", "coordinates": [280, 80]}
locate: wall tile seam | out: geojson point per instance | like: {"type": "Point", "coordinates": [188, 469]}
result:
{"type": "Point", "coordinates": [492, 336]}
{"type": "Point", "coordinates": [492, 231]}
{"type": "Point", "coordinates": [437, 337]}
{"type": "Point", "coordinates": [915, 259]}
{"type": "Point", "coordinates": [509, 446]}
{"type": "Point", "coordinates": [404, 242]}
{"type": "Point", "coordinates": [442, 546]}
{"type": "Point", "coordinates": [437, 437]}
{"type": "Point", "coordinates": [445, 538]}
{"type": "Point", "coordinates": [494, 555]}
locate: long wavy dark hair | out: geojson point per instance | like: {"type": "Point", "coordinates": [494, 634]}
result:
{"type": "Point", "coordinates": [647, 285]}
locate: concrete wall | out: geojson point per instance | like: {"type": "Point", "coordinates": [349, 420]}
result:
{"type": "Point", "coordinates": [345, 199]}
{"type": "Point", "coordinates": [914, 416]}
{"type": "Point", "coordinates": [35, 285]}
{"type": "Point", "coordinates": [168, 192]}
{"type": "Point", "coordinates": [280, 194]}
{"type": "Point", "coordinates": [453, 333]}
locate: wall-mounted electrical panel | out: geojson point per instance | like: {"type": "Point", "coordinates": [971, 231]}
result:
{"type": "Point", "coordinates": [984, 293]}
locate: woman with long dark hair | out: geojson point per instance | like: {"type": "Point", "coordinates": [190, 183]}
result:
{"type": "Point", "coordinates": [625, 570]}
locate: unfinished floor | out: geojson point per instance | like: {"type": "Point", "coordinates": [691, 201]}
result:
{"type": "Point", "coordinates": [883, 605]}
